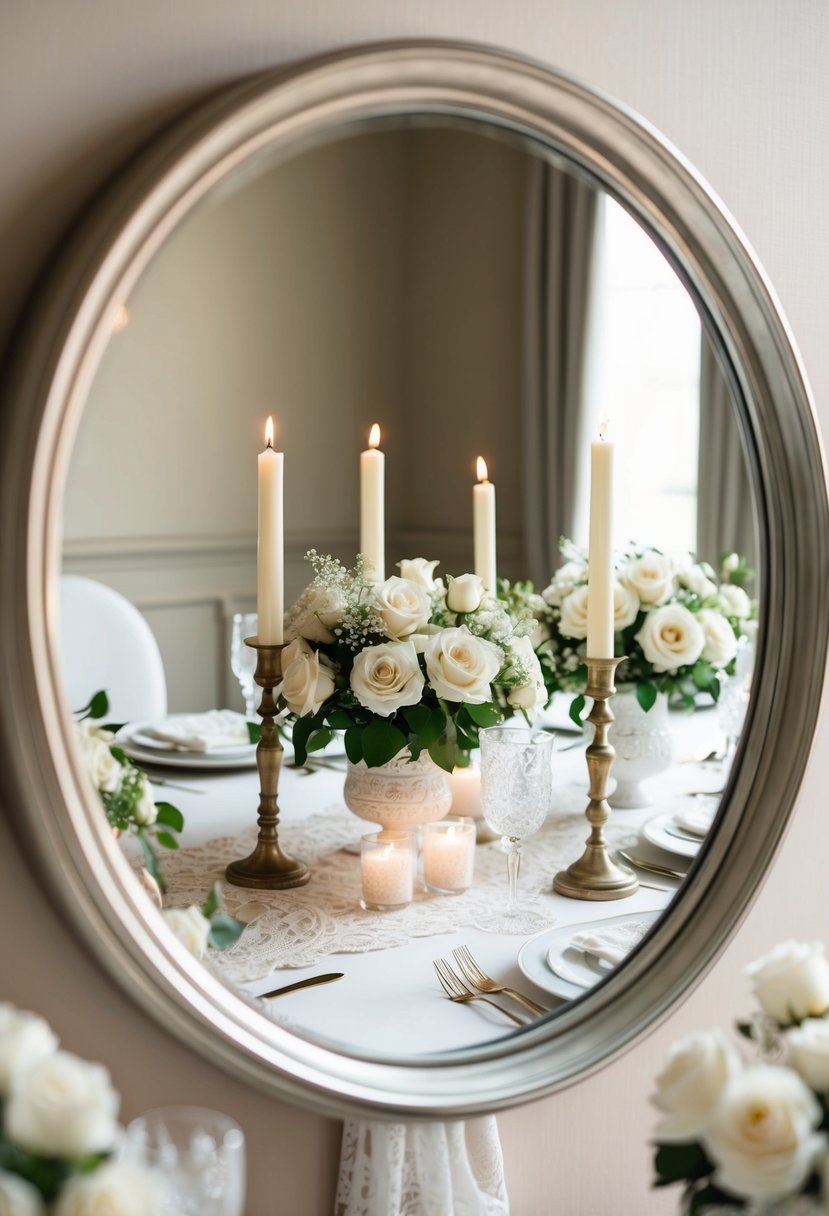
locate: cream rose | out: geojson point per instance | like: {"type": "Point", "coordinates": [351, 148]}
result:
{"type": "Point", "coordinates": [720, 642]}
{"type": "Point", "coordinates": [317, 614]}
{"type": "Point", "coordinates": [808, 1046]}
{"type": "Point", "coordinates": [306, 681]}
{"type": "Point", "coordinates": [418, 570]}
{"type": "Point", "coordinates": [146, 812]}
{"type": "Point", "coordinates": [696, 579]}
{"type": "Point", "coordinates": [625, 606]}
{"type": "Point", "coordinates": [689, 1086]}
{"type": "Point", "coordinates": [25, 1040]}
{"type": "Point", "coordinates": [63, 1107]}
{"type": "Point", "coordinates": [190, 927]}
{"type": "Point", "coordinates": [670, 638]}
{"type": "Point", "coordinates": [762, 1137]}
{"type": "Point", "coordinates": [387, 676]}
{"type": "Point", "coordinates": [792, 981]}
{"type": "Point", "coordinates": [530, 693]}
{"type": "Point", "coordinates": [650, 576]}
{"type": "Point", "coordinates": [404, 606]}
{"type": "Point", "coordinates": [565, 580]}
{"type": "Point", "coordinates": [573, 623]}
{"type": "Point", "coordinates": [461, 667]}
{"type": "Point", "coordinates": [735, 602]}
{"type": "Point", "coordinates": [18, 1197]}
{"type": "Point", "coordinates": [465, 593]}
{"type": "Point", "coordinates": [115, 1189]}
{"type": "Point", "coordinates": [103, 769]}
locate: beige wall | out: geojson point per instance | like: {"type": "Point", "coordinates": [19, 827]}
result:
{"type": "Point", "coordinates": [741, 89]}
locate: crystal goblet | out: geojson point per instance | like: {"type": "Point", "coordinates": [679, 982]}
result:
{"type": "Point", "coordinates": [243, 658]}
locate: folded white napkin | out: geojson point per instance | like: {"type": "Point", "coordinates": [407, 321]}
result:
{"type": "Point", "coordinates": [216, 730]}
{"type": "Point", "coordinates": [697, 820]}
{"type": "Point", "coordinates": [611, 945]}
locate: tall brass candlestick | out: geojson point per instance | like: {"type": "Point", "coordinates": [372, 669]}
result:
{"type": "Point", "coordinates": [268, 867]}
{"type": "Point", "coordinates": [594, 875]}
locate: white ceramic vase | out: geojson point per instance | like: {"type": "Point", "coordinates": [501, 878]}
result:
{"type": "Point", "coordinates": [644, 747]}
{"type": "Point", "coordinates": [404, 793]}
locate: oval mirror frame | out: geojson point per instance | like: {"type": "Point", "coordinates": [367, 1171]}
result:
{"type": "Point", "coordinates": [55, 358]}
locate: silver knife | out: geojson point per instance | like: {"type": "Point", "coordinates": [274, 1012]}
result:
{"type": "Point", "coordinates": [312, 980]}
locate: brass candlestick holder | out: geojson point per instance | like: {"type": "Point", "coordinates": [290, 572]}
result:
{"type": "Point", "coordinates": [268, 867]}
{"type": "Point", "coordinates": [594, 875]}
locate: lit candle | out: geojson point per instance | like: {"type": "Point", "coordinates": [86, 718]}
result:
{"type": "Point", "coordinates": [483, 503]}
{"type": "Point", "coordinates": [372, 507]}
{"type": "Point", "coordinates": [465, 785]}
{"type": "Point", "coordinates": [449, 855]}
{"type": "Point", "coordinates": [600, 571]}
{"type": "Point", "coordinates": [387, 870]}
{"type": "Point", "coordinates": [270, 567]}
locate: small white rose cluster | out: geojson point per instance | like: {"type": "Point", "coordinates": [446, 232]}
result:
{"type": "Point", "coordinates": [57, 1106]}
{"type": "Point", "coordinates": [111, 778]}
{"type": "Point", "coordinates": [759, 1124]}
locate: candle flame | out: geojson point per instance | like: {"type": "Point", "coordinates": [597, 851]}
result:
{"type": "Point", "coordinates": [482, 469]}
{"type": "Point", "coordinates": [374, 436]}
{"type": "Point", "coordinates": [269, 433]}
{"type": "Point", "coordinates": [604, 428]}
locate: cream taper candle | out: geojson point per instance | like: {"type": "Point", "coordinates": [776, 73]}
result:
{"type": "Point", "coordinates": [600, 570]}
{"type": "Point", "coordinates": [483, 506]}
{"type": "Point", "coordinates": [270, 560]}
{"type": "Point", "coordinates": [372, 507]}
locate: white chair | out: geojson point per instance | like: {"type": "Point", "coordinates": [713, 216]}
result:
{"type": "Point", "coordinates": [107, 644]}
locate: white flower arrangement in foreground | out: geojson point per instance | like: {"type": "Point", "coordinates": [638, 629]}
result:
{"type": "Point", "coordinates": [59, 1129]}
{"type": "Point", "coordinates": [754, 1136]}
{"type": "Point", "coordinates": [412, 663]}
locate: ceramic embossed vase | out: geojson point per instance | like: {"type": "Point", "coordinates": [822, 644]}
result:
{"type": "Point", "coordinates": [401, 794]}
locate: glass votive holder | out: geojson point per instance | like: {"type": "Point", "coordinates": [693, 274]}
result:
{"type": "Point", "coordinates": [449, 855]}
{"type": "Point", "coordinates": [387, 863]}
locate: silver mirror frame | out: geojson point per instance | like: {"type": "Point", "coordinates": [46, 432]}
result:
{"type": "Point", "coordinates": [54, 361]}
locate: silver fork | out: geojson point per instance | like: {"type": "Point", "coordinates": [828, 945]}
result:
{"type": "Point", "coordinates": [478, 978]}
{"type": "Point", "coordinates": [456, 990]}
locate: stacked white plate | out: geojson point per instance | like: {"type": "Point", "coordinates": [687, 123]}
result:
{"type": "Point", "coordinates": [141, 743]}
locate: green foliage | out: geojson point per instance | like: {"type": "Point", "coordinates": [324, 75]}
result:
{"type": "Point", "coordinates": [47, 1175]}
{"type": "Point", "coordinates": [381, 742]}
{"type": "Point", "coordinates": [170, 816]}
{"type": "Point", "coordinates": [646, 694]}
{"type": "Point", "coordinates": [680, 1163]}
{"type": "Point", "coordinates": [577, 709]}
{"type": "Point", "coordinates": [225, 931]}
{"type": "Point", "coordinates": [96, 708]}
{"type": "Point", "coordinates": [254, 732]}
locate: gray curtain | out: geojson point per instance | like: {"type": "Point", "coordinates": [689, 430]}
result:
{"type": "Point", "coordinates": [560, 244]}
{"type": "Point", "coordinates": [725, 519]}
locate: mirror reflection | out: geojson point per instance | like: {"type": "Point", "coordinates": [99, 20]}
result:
{"type": "Point", "coordinates": [513, 333]}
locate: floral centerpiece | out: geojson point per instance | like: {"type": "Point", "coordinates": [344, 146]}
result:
{"type": "Point", "coordinates": [413, 665]}
{"type": "Point", "coordinates": [677, 624]}
{"type": "Point", "coordinates": [754, 1136]}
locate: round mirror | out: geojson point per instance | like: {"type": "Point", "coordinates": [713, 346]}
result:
{"type": "Point", "coordinates": [492, 264]}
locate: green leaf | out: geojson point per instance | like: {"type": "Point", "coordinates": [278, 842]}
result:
{"type": "Point", "coordinates": [646, 696]}
{"type": "Point", "coordinates": [444, 750]}
{"type": "Point", "coordinates": [703, 675]}
{"type": "Point", "coordinates": [254, 731]}
{"type": "Point", "coordinates": [746, 1029]}
{"type": "Point", "coordinates": [213, 902]}
{"type": "Point", "coordinates": [303, 729]}
{"type": "Point", "coordinates": [484, 715]}
{"type": "Point", "coordinates": [320, 739]}
{"type": "Point", "coordinates": [120, 755]}
{"type": "Point", "coordinates": [170, 816]}
{"type": "Point", "coordinates": [338, 719]}
{"type": "Point", "coordinates": [576, 709]}
{"type": "Point", "coordinates": [712, 1197]}
{"type": "Point", "coordinates": [680, 1163]}
{"type": "Point", "coordinates": [354, 743]}
{"type": "Point", "coordinates": [151, 861]}
{"type": "Point", "coordinates": [416, 717]}
{"type": "Point", "coordinates": [113, 727]}
{"type": "Point", "coordinates": [96, 707]}
{"type": "Point", "coordinates": [381, 742]}
{"type": "Point", "coordinates": [167, 840]}
{"type": "Point", "coordinates": [225, 931]}
{"type": "Point", "coordinates": [714, 688]}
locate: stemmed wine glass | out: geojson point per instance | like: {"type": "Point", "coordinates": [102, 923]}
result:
{"type": "Point", "coordinates": [732, 705]}
{"type": "Point", "coordinates": [243, 658]}
{"type": "Point", "coordinates": [516, 789]}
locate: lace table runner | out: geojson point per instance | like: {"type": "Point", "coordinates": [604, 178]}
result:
{"type": "Point", "coordinates": [298, 928]}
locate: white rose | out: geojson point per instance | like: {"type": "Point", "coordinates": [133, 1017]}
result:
{"type": "Point", "coordinates": [762, 1135]}
{"type": "Point", "coordinates": [720, 641]}
{"type": "Point", "coordinates": [420, 639]}
{"type": "Point", "coordinates": [625, 606]}
{"type": "Point", "coordinates": [18, 1197]}
{"type": "Point", "coordinates": [735, 602]}
{"type": "Point", "coordinates": [530, 693]}
{"type": "Point", "coordinates": [465, 593]}
{"type": "Point", "coordinates": [387, 676]}
{"type": "Point", "coordinates": [541, 633]}
{"type": "Point", "coordinates": [650, 576]}
{"type": "Point", "coordinates": [730, 563]}
{"type": "Point", "coordinates": [146, 812]}
{"type": "Point", "coordinates": [670, 638]}
{"type": "Point", "coordinates": [404, 606]}
{"type": "Point", "coordinates": [25, 1040]}
{"type": "Point", "coordinates": [63, 1107]}
{"type": "Point", "coordinates": [319, 611]}
{"type": "Point", "coordinates": [573, 623]}
{"type": "Point", "coordinates": [103, 769]}
{"type": "Point", "coordinates": [461, 667]}
{"type": "Point", "coordinates": [696, 580]}
{"type": "Point", "coordinates": [306, 681]}
{"type": "Point", "coordinates": [792, 981]}
{"type": "Point", "coordinates": [565, 579]}
{"type": "Point", "coordinates": [689, 1086]}
{"type": "Point", "coordinates": [808, 1046]}
{"type": "Point", "coordinates": [190, 926]}
{"type": "Point", "coordinates": [115, 1189]}
{"type": "Point", "coordinates": [418, 570]}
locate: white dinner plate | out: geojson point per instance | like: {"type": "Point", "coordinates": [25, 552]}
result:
{"type": "Point", "coordinates": [656, 832]}
{"type": "Point", "coordinates": [138, 746]}
{"type": "Point", "coordinates": [532, 958]}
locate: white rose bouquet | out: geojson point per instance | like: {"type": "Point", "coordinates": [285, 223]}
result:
{"type": "Point", "coordinates": [676, 624]}
{"type": "Point", "coordinates": [410, 663]}
{"type": "Point", "coordinates": [754, 1136]}
{"type": "Point", "coordinates": [124, 788]}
